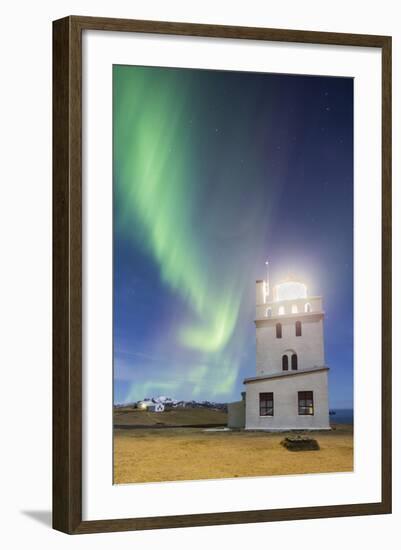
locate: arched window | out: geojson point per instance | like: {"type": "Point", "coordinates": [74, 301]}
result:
{"type": "Point", "coordinates": [308, 308]}
{"type": "Point", "coordinates": [281, 310]}
{"type": "Point", "coordinates": [298, 328]}
{"type": "Point", "coordinates": [269, 312]}
{"type": "Point", "coordinates": [294, 308]}
{"type": "Point", "coordinates": [294, 362]}
{"type": "Point", "coordinates": [285, 362]}
{"type": "Point", "coordinates": [278, 330]}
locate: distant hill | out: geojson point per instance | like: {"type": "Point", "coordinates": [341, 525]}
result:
{"type": "Point", "coordinates": [125, 417]}
{"type": "Point", "coordinates": [168, 402]}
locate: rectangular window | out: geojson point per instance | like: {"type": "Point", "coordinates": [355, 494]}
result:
{"type": "Point", "coordinates": [305, 403]}
{"type": "Point", "coordinates": [266, 407]}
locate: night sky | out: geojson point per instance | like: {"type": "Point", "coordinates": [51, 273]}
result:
{"type": "Point", "coordinates": [215, 172]}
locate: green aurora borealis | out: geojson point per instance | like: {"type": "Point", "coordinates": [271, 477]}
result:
{"type": "Point", "coordinates": [196, 185]}
{"type": "Point", "coordinates": [157, 186]}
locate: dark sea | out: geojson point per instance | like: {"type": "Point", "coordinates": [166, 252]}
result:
{"type": "Point", "coordinates": [342, 416]}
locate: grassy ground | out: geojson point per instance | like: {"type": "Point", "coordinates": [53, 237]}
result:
{"type": "Point", "coordinates": [170, 454]}
{"type": "Point", "coordinates": [173, 417]}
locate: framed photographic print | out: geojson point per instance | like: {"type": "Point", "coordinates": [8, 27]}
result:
{"type": "Point", "coordinates": [222, 275]}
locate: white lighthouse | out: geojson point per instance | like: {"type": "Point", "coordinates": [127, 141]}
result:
{"type": "Point", "coordinates": [290, 389]}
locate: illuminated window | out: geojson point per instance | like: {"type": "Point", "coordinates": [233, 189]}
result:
{"type": "Point", "coordinates": [298, 328]}
{"type": "Point", "coordinates": [281, 310]}
{"type": "Point", "coordinates": [294, 308]}
{"type": "Point", "coordinates": [285, 362]}
{"type": "Point", "coordinates": [278, 330]}
{"type": "Point", "coordinates": [294, 362]}
{"type": "Point", "coordinates": [308, 308]}
{"type": "Point", "coordinates": [305, 403]}
{"type": "Point", "coordinates": [269, 312]}
{"type": "Point", "coordinates": [266, 404]}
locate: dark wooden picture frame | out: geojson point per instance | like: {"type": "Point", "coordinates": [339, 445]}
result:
{"type": "Point", "coordinates": [67, 274]}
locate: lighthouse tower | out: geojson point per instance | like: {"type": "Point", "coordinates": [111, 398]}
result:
{"type": "Point", "coordinates": [290, 389]}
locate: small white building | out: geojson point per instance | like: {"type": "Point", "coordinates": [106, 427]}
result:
{"type": "Point", "coordinates": [156, 407]}
{"type": "Point", "coordinates": [290, 389]}
{"type": "Point", "coordinates": [151, 405]}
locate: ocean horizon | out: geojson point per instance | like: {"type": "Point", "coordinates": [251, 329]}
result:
{"type": "Point", "coordinates": [342, 416]}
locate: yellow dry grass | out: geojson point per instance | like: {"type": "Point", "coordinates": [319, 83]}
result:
{"type": "Point", "coordinates": [171, 417]}
{"type": "Point", "coordinates": [167, 454]}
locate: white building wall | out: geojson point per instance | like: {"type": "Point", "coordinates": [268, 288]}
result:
{"type": "Point", "coordinates": [309, 346]}
{"type": "Point", "coordinates": [260, 294]}
{"type": "Point", "coordinates": [236, 414]}
{"type": "Point", "coordinates": [285, 390]}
